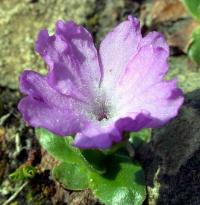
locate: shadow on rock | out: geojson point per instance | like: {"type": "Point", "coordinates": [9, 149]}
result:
{"type": "Point", "coordinates": [172, 159]}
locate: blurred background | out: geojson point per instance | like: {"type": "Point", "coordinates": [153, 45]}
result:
{"type": "Point", "coordinates": [171, 158]}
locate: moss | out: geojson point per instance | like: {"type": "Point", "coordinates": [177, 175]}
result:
{"type": "Point", "coordinates": [188, 79]}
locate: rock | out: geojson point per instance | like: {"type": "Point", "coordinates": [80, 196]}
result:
{"type": "Point", "coordinates": [171, 159]}
{"type": "Point", "coordinates": [108, 13]}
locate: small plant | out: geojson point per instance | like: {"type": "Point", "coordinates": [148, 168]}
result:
{"type": "Point", "coordinates": [24, 172]}
{"type": "Point", "coordinates": [87, 107]}
{"type": "Point", "coordinates": [193, 6]}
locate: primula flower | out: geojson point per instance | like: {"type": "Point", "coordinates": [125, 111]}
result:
{"type": "Point", "coordinates": [99, 95]}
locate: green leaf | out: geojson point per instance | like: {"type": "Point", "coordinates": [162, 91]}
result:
{"type": "Point", "coordinates": [72, 176]}
{"type": "Point", "coordinates": [123, 183]}
{"type": "Point", "coordinates": [194, 49]}
{"type": "Point", "coordinates": [114, 179]}
{"type": "Point", "coordinates": [139, 138]}
{"type": "Point", "coordinates": [96, 159]}
{"type": "Point", "coordinates": [59, 147]}
{"type": "Point", "coordinates": [23, 172]}
{"type": "Point", "coordinates": [193, 7]}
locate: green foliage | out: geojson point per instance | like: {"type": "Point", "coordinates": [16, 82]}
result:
{"type": "Point", "coordinates": [59, 147]}
{"type": "Point", "coordinates": [194, 49]}
{"type": "Point", "coordinates": [139, 138]}
{"type": "Point", "coordinates": [122, 184]}
{"type": "Point", "coordinates": [72, 176]}
{"type": "Point", "coordinates": [23, 173]}
{"type": "Point", "coordinates": [114, 179]}
{"type": "Point", "coordinates": [193, 7]}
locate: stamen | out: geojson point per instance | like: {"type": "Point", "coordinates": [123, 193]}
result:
{"type": "Point", "coordinates": [102, 116]}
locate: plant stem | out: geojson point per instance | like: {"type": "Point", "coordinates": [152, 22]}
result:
{"type": "Point", "coordinates": [15, 194]}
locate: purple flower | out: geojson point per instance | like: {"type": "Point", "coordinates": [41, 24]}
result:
{"type": "Point", "coordinates": [97, 95]}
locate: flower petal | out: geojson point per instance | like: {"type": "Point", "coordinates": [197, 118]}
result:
{"type": "Point", "coordinates": [36, 85]}
{"type": "Point", "coordinates": [59, 121]}
{"type": "Point", "coordinates": [45, 107]}
{"type": "Point", "coordinates": [143, 81]}
{"type": "Point", "coordinates": [148, 67]}
{"type": "Point", "coordinates": [162, 101]}
{"type": "Point", "coordinates": [156, 39]}
{"type": "Point", "coordinates": [133, 121]}
{"type": "Point", "coordinates": [95, 136]}
{"type": "Point", "coordinates": [116, 50]}
{"type": "Point", "coordinates": [71, 57]}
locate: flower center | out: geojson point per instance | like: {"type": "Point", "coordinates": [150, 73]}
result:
{"type": "Point", "coordinates": [102, 116]}
{"type": "Point", "coordinates": [101, 108]}
{"type": "Point", "coordinates": [101, 111]}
